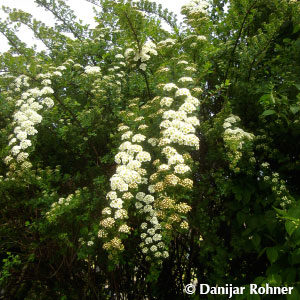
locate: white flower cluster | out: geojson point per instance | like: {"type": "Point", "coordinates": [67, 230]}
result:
{"type": "Point", "coordinates": [148, 49]}
{"type": "Point", "coordinates": [179, 126]}
{"type": "Point", "coordinates": [92, 70]}
{"type": "Point", "coordinates": [234, 139]}
{"type": "Point", "coordinates": [61, 203]}
{"type": "Point", "coordinates": [27, 116]}
{"type": "Point", "coordinates": [152, 244]}
{"type": "Point", "coordinates": [129, 176]}
{"type": "Point", "coordinates": [195, 8]}
{"type": "Point", "coordinates": [113, 80]}
{"type": "Point", "coordinates": [168, 43]}
{"type": "Point", "coordinates": [185, 79]}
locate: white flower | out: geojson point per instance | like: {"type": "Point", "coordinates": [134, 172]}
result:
{"type": "Point", "coordinates": [148, 240]}
{"type": "Point", "coordinates": [123, 127]}
{"type": "Point", "coordinates": [148, 208]}
{"type": "Point", "coordinates": [124, 228]}
{"type": "Point", "coordinates": [166, 101]}
{"type": "Point", "coordinates": [35, 92]}
{"type": "Point", "coordinates": [132, 149]}
{"type": "Point", "coordinates": [128, 52]}
{"type": "Point", "coordinates": [143, 235]}
{"type": "Point", "coordinates": [48, 102]}
{"type": "Point", "coordinates": [117, 183]}
{"type": "Point", "coordinates": [157, 254]}
{"type": "Point", "coordinates": [35, 106]}
{"type": "Point", "coordinates": [138, 138]}
{"type": "Point", "coordinates": [92, 70]}
{"type": "Point", "coordinates": [152, 141]}
{"type": "Point", "coordinates": [181, 169]}
{"type": "Point", "coordinates": [125, 146]}
{"type": "Point", "coordinates": [25, 144]}
{"type": "Point", "coordinates": [187, 107]}
{"type": "Point", "coordinates": [148, 199]}
{"type": "Point", "coordinates": [165, 254]}
{"type": "Point", "coordinates": [169, 87]}
{"type": "Point", "coordinates": [142, 127]}
{"type": "Point", "coordinates": [163, 167]}
{"type": "Point", "coordinates": [7, 159]}
{"type": "Point", "coordinates": [169, 114]}
{"type": "Point", "coordinates": [191, 140]}
{"type": "Point", "coordinates": [144, 225]}
{"type": "Point", "coordinates": [61, 68]}
{"type": "Point", "coordinates": [193, 121]}
{"type": "Point", "coordinates": [120, 214]}
{"type": "Point", "coordinates": [140, 196]}
{"type": "Point", "coordinates": [126, 135]}
{"type": "Point", "coordinates": [143, 156]}
{"type": "Point", "coordinates": [157, 237]}
{"type": "Point", "coordinates": [57, 73]}
{"type": "Point", "coordinates": [90, 243]}
{"type": "Point", "coordinates": [26, 165]}
{"type": "Point", "coordinates": [192, 100]}
{"type": "Point", "coordinates": [22, 156]}
{"type": "Point", "coordinates": [153, 248]}
{"type": "Point", "coordinates": [182, 62]}
{"type": "Point", "coordinates": [183, 92]}
{"type": "Point", "coordinates": [47, 90]}
{"type": "Point", "coordinates": [20, 117]}
{"type": "Point", "coordinates": [117, 203]}
{"type": "Point", "coordinates": [175, 159]}
{"type": "Point", "coordinates": [106, 211]}
{"type": "Point", "coordinates": [122, 157]}
{"type": "Point", "coordinates": [25, 96]}
{"type": "Point", "coordinates": [151, 189]}
{"type": "Point", "coordinates": [134, 165]}
{"type": "Point", "coordinates": [30, 130]}
{"type": "Point", "coordinates": [185, 79]}
{"type": "Point", "coordinates": [12, 141]}
{"type": "Point", "coordinates": [143, 67]}
{"type": "Point", "coordinates": [154, 220]}
{"type": "Point", "coordinates": [22, 135]}
{"type": "Point", "coordinates": [151, 231]}
{"type": "Point", "coordinates": [138, 205]}
{"type": "Point", "coordinates": [46, 82]}
{"type": "Point", "coordinates": [112, 195]}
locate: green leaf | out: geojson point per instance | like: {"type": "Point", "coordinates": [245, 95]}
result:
{"type": "Point", "coordinates": [256, 240]}
{"type": "Point", "coordinates": [261, 252]}
{"type": "Point", "coordinates": [290, 227]}
{"type": "Point", "coordinates": [296, 257]}
{"type": "Point", "coordinates": [268, 112]}
{"type": "Point", "coordinates": [296, 28]}
{"type": "Point", "coordinates": [297, 85]}
{"type": "Point", "coordinates": [272, 254]}
{"type": "Point", "coordinates": [294, 109]}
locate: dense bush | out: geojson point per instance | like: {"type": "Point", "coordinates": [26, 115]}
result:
{"type": "Point", "coordinates": [135, 159]}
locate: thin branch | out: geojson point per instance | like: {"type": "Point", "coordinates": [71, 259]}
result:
{"type": "Point", "coordinates": [133, 31]}
{"type": "Point", "coordinates": [147, 84]}
{"type": "Point", "coordinates": [237, 39]}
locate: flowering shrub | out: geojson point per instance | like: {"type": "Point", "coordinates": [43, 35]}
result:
{"type": "Point", "coordinates": [137, 158]}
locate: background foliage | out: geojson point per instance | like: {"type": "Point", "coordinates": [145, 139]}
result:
{"type": "Point", "coordinates": [245, 217]}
